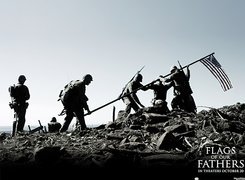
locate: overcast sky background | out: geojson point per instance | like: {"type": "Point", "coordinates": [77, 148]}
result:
{"type": "Point", "coordinates": [54, 41]}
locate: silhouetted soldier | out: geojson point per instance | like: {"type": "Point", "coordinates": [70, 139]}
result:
{"type": "Point", "coordinates": [182, 91]}
{"type": "Point", "coordinates": [132, 100]}
{"type": "Point", "coordinates": [19, 95]}
{"type": "Point", "coordinates": [53, 125]}
{"type": "Point", "coordinates": [160, 94]}
{"type": "Point", "coordinates": [76, 102]}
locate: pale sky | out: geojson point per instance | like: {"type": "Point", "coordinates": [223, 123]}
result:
{"type": "Point", "coordinates": [53, 42]}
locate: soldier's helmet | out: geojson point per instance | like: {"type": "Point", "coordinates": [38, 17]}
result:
{"type": "Point", "coordinates": [159, 102]}
{"type": "Point", "coordinates": [173, 69]}
{"type": "Point", "coordinates": [21, 78]}
{"type": "Point", "coordinates": [53, 119]}
{"type": "Point", "coordinates": [139, 78]}
{"type": "Point", "coordinates": [88, 77]}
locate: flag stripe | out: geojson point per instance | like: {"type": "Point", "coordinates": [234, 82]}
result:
{"type": "Point", "coordinates": [215, 75]}
{"type": "Point", "coordinates": [219, 75]}
{"type": "Point", "coordinates": [217, 71]}
{"type": "Point", "coordinates": [225, 76]}
{"type": "Point", "coordinates": [227, 79]}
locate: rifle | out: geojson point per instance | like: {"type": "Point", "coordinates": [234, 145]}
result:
{"type": "Point", "coordinates": [180, 66]}
{"type": "Point", "coordinates": [15, 122]}
{"type": "Point", "coordinates": [62, 112]}
{"type": "Point", "coordinates": [131, 80]}
{"type": "Point", "coordinates": [187, 77]}
{"type": "Point", "coordinates": [40, 128]}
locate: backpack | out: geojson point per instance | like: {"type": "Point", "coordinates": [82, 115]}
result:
{"type": "Point", "coordinates": [67, 92]}
{"type": "Point", "coordinates": [13, 91]}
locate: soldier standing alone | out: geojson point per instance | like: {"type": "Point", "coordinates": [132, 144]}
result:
{"type": "Point", "coordinates": [19, 95]}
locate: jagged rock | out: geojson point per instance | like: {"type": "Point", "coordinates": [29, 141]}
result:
{"type": "Point", "coordinates": [114, 136]}
{"type": "Point", "coordinates": [135, 127]}
{"type": "Point", "coordinates": [234, 126]}
{"type": "Point", "coordinates": [135, 138]}
{"type": "Point", "coordinates": [167, 141]}
{"type": "Point", "coordinates": [125, 140]}
{"type": "Point", "coordinates": [153, 118]}
{"type": "Point", "coordinates": [48, 154]}
{"type": "Point", "coordinates": [152, 129]}
{"type": "Point", "coordinates": [179, 128]}
{"type": "Point", "coordinates": [114, 125]}
{"type": "Point", "coordinates": [121, 115]}
{"type": "Point", "coordinates": [134, 119]}
{"type": "Point", "coordinates": [133, 146]}
{"type": "Point", "coordinates": [3, 136]}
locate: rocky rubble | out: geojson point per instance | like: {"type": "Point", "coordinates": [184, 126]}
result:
{"type": "Point", "coordinates": [146, 139]}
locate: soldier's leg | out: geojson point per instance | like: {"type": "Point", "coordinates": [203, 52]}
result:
{"type": "Point", "coordinates": [165, 107]}
{"type": "Point", "coordinates": [128, 108]}
{"type": "Point", "coordinates": [68, 118]}
{"type": "Point", "coordinates": [191, 105]}
{"type": "Point", "coordinates": [182, 102]}
{"type": "Point", "coordinates": [174, 103]}
{"type": "Point", "coordinates": [135, 106]}
{"type": "Point", "coordinates": [21, 117]}
{"type": "Point", "coordinates": [14, 128]}
{"type": "Point", "coordinates": [128, 105]}
{"type": "Point", "coordinates": [80, 117]}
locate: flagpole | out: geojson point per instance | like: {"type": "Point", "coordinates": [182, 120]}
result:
{"type": "Point", "coordinates": [184, 67]}
{"type": "Point", "coordinates": [143, 86]}
{"type": "Point", "coordinates": [197, 60]}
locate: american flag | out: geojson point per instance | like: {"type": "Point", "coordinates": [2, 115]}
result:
{"type": "Point", "coordinates": [215, 68]}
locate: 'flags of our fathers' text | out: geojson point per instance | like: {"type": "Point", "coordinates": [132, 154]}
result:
{"type": "Point", "coordinates": [215, 68]}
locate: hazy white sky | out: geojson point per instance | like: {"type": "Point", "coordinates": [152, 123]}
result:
{"type": "Point", "coordinates": [54, 41]}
